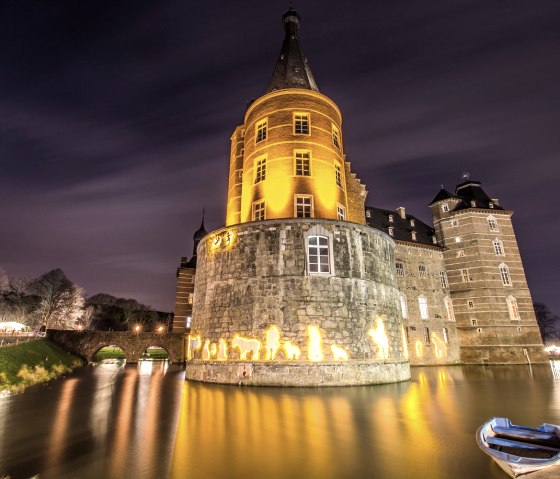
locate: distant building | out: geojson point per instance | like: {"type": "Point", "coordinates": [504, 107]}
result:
{"type": "Point", "coordinates": [305, 285]}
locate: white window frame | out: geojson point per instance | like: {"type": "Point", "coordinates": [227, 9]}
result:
{"type": "Point", "coordinates": [449, 308]}
{"type": "Point", "coordinates": [335, 136]}
{"type": "Point", "coordinates": [305, 202]}
{"type": "Point", "coordinates": [445, 333]}
{"type": "Point", "coordinates": [423, 307]}
{"type": "Point", "coordinates": [302, 121]}
{"type": "Point", "coordinates": [404, 305]}
{"type": "Point", "coordinates": [319, 245]}
{"type": "Point", "coordinates": [261, 130]}
{"type": "Point", "coordinates": [505, 275]}
{"type": "Point", "coordinates": [513, 308]}
{"type": "Point", "coordinates": [338, 175]}
{"type": "Point", "coordinates": [445, 208]}
{"type": "Point", "coordinates": [258, 211]}
{"type": "Point", "coordinates": [422, 271]}
{"type": "Point", "coordinates": [260, 169]}
{"type": "Point", "coordinates": [319, 230]}
{"type": "Point", "coordinates": [498, 247]}
{"type": "Point", "coordinates": [443, 279]}
{"type": "Point", "coordinates": [426, 333]}
{"type": "Point", "coordinates": [302, 162]}
{"type": "Point", "coordinates": [470, 303]}
{"type": "Point", "coordinates": [466, 275]}
{"type": "Point", "coordinates": [492, 223]}
{"type": "Point", "coordinates": [391, 231]}
{"type": "Point", "coordinates": [340, 212]}
{"type": "Point", "coordinates": [400, 271]}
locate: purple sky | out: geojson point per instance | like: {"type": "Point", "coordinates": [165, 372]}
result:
{"type": "Point", "coordinates": [115, 119]}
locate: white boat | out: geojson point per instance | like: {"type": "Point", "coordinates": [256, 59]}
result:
{"type": "Point", "coordinates": [525, 452]}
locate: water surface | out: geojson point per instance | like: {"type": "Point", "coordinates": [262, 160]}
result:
{"type": "Point", "coordinates": [147, 422]}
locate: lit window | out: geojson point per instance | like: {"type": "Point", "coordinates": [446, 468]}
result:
{"type": "Point", "coordinates": [412, 222]}
{"type": "Point", "coordinates": [301, 123]}
{"type": "Point", "coordinates": [460, 253]}
{"type": "Point", "coordinates": [318, 254]}
{"type": "Point", "coordinates": [338, 175]}
{"type": "Point", "coordinates": [423, 306]}
{"type": "Point", "coordinates": [422, 271]}
{"type": "Point", "coordinates": [470, 304]}
{"type": "Point", "coordinates": [445, 207]}
{"type": "Point", "coordinates": [188, 322]}
{"type": "Point", "coordinates": [391, 218]}
{"type": "Point", "coordinates": [335, 136]}
{"type": "Point", "coordinates": [391, 230]}
{"type": "Point", "coordinates": [427, 335]}
{"type": "Point", "coordinates": [465, 275]}
{"type": "Point", "coordinates": [400, 268]}
{"type": "Point", "coordinates": [404, 306]}
{"type": "Point", "coordinates": [258, 211]}
{"type": "Point", "coordinates": [261, 130]}
{"type": "Point", "coordinates": [304, 206]}
{"type": "Point", "coordinates": [492, 223]}
{"type": "Point", "coordinates": [498, 247]}
{"type": "Point", "coordinates": [449, 309]}
{"type": "Point", "coordinates": [513, 309]}
{"type": "Point", "coordinates": [340, 213]}
{"type": "Point", "coordinates": [445, 332]}
{"type": "Point", "coordinates": [504, 274]}
{"type": "Point", "coordinates": [303, 163]}
{"type": "Point", "coordinates": [260, 170]}
{"type": "Point", "coordinates": [443, 279]}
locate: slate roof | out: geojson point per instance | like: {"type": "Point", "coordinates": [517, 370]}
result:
{"type": "Point", "coordinates": [442, 195]}
{"type": "Point", "coordinates": [466, 193]}
{"type": "Point", "coordinates": [402, 229]}
{"type": "Point", "coordinates": [292, 69]}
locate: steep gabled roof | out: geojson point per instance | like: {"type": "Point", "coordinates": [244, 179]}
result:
{"type": "Point", "coordinates": [442, 195]}
{"type": "Point", "coordinates": [292, 69]}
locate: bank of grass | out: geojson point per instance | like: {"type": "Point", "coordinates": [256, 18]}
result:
{"type": "Point", "coordinates": [25, 364]}
{"type": "Point", "coordinates": [109, 352]}
{"type": "Point", "coordinates": [155, 353]}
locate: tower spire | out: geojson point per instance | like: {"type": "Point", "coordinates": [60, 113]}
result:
{"type": "Point", "coordinates": [292, 69]}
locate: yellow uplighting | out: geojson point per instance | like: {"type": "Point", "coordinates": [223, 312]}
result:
{"type": "Point", "coordinates": [245, 346]}
{"type": "Point", "coordinates": [193, 344]}
{"type": "Point", "coordinates": [216, 241]}
{"type": "Point", "coordinates": [380, 339]}
{"type": "Point", "coordinates": [222, 240]}
{"type": "Point", "coordinates": [291, 350]}
{"type": "Point", "coordinates": [206, 350]}
{"type": "Point", "coordinates": [314, 349]}
{"type": "Point", "coordinates": [439, 346]}
{"type": "Point", "coordinates": [222, 350]}
{"type": "Point", "coordinates": [404, 344]}
{"type": "Point", "coordinates": [419, 348]}
{"type": "Point", "coordinates": [338, 353]}
{"type": "Point", "coordinates": [272, 342]}
{"type": "Point", "coordinates": [213, 350]}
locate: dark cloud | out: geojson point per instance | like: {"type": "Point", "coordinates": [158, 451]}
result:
{"type": "Point", "coordinates": [115, 120]}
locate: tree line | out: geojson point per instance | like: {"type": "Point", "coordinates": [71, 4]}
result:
{"type": "Point", "coordinates": [52, 301]}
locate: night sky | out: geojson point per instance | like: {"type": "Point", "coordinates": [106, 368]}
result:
{"type": "Point", "coordinates": [115, 120]}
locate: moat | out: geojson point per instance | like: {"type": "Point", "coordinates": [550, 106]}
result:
{"type": "Point", "coordinates": [146, 422]}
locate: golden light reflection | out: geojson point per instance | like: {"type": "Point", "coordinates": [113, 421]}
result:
{"type": "Point", "coordinates": [213, 350]}
{"type": "Point", "coordinates": [193, 344]}
{"type": "Point", "coordinates": [338, 353]}
{"type": "Point", "coordinates": [222, 350]}
{"type": "Point", "coordinates": [291, 350]}
{"type": "Point", "coordinates": [314, 348]}
{"type": "Point", "coordinates": [404, 342]}
{"type": "Point", "coordinates": [380, 339]}
{"type": "Point", "coordinates": [206, 350]}
{"type": "Point", "coordinates": [246, 346]}
{"type": "Point", "coordinates": [272, 336]}
{"type": "Point", "coordinates": [439, 346]}
{"type": "Point", "coordinates": [419, 347]}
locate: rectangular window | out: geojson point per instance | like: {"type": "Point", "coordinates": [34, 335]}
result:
{"type": "Point", "coordinates": [465, 275]}
{"type": "Point", "coordinates": [492, 224]}
{"type": "Point", "coordinates": [498, 247]}
{"type": "Point", "coordinates": [443, 279]}
{"type": "Point", "coordinates": [479, 330]}
{"type": "Point", "coordinates": [258, 211]}
{"type": "Point", "coordinates": [445, 207]}
{"type": "Point", "coordinates": [423, 306]}
{"type": "Point", "coordinates": [303, 163]}
{"type": "Point", "coordinates": [261, 130]}
{"type": "Point", "coordinates": [449, 309]}
{"type": "Point", "coordinates": [445, 332]}
{"type": "Point", "coordinates": [340, 213]}
{"type": "Point", "coordinates": [318, 254]}
{"type": "Point", "coordinates": [335, 136]}
{"type": "Point", "coordinates": [404, 306]}
{"type": "Point", "coordinates": [301, 123]}
{"type": "Point", "coordinates": [474, 322]}
{"type": "Point", "coordinates": [260, 170]}
{"type": "Point", "coordinates": [304, 206]}
{"type": "Point", "coordinates": [427, 335]}
{"type": "Point", "coordinates": [422, 271]}
{"type": "Point", "coordinates": [460, 253]}
{"type": "Point", "coordinates": [470, 304]}
{"type": "Point", "coordinates": [400, 268]}
{"type": "Point", "coordinates": [338, 174]}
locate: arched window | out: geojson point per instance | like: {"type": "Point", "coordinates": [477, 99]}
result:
{"type": "Point", "coordinates": [498, 247]}
{"type": "Point", "coordinates": [423, 306]}
{"type": "Point", "coordinates": [449, 308]}
{"type": "Point", "coordinates": [404, 306]}
{"type": "Point", "coordinates": [492, 223]}
{"type": "Point", "coordinates": [318, 254]}
{"type": "Point", "coordinates": [513, 309]}
{"type": "Point", "coordinates": [504, 274]}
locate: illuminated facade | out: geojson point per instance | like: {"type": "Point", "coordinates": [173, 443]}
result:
{"type": "Point", "coordinates": [305, 285]}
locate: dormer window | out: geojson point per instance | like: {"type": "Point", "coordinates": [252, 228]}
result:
{"type": "Point", "coordinates": [445, 207]}
{"type": "Point", "coordinates": [490, 205]}
{"type": "Point", "coordinates": [434, 240]}
{"type": "Point", "coordinates": [473, 204]}
{"type": "Point", "coordinates": [391, 230]}
{"type": "Point", "coordinates": [368, 214]}
{"type": "Point", "coordinates": [412, 222]}
{"type": "Point", "coordinates": [413, 234]}
{"type": "Point", "coordinates": [391, 218]}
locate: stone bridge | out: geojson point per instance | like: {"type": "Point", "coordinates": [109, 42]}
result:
{"type": "Point", "coordinates": [87, 343]}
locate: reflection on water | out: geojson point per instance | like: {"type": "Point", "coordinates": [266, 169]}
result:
{"type": "Point", "coordinates": [146, 422]}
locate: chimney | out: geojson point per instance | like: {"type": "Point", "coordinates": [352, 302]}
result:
{"type": "Point", "coordinates": [402, 212]}
{"type": "Point", "coordinates": [496, 201]}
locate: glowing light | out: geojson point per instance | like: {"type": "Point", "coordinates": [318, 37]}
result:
{"type": "Point", "coordinates": [439, 345]}
{"type": "Point", "coordinates": [292, 351]}
{"type": "Point", "coordinates": [272, 342]}
{"type": "Point", "coordinates": [137, 328]}
{"type": "Point", "coordinates": [193, 344]}
{"type": "Point", "coordinates": [338, 353]}
{"type": "Point", "coordinates": [314, 349]}
{"type": "Point", "coordinates": [380, 339]}
{"type": "Point", "coordinates": [222, 350]}
{"type": "Point", "coordinates": [404, 343]}
{"type": "Point", "coordinates": [245, 346]}
{"type": "Point", "coordinates": [216, 241]}
{"type": "Point", "coordinates": [206, 350]}
{"type": "Point", "coordinates": [419, 348]}
{"type": "Point", "coordinates": [213, 350]}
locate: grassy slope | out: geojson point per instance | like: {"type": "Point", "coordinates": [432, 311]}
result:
{"type": "Point", "coordinates": [34, 353]}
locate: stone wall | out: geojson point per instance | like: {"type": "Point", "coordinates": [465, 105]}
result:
{"type": "Point", "coordinates": [183, 297]}
{"type": "Point", "coordinates": [87, 343]}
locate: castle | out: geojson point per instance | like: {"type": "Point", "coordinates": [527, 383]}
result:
{"type": "Point", "coordinates": [306, 285]}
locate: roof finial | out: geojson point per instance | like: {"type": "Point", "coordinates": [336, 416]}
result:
{"type": "Point", "coordinates": [466, 176]}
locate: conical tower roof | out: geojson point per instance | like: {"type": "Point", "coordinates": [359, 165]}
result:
{"type": "Point", "coordinates": [292, 69]}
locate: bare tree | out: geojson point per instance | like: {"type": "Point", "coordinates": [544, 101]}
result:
{"type": "Point", "coordinates": [85, 321]}
{"type": "Point", "coordinates": [548, 324]}
{"type": "Point", "coordinates": [61, 301]}
{"type": "Point", "coordinates": [4, 283]}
